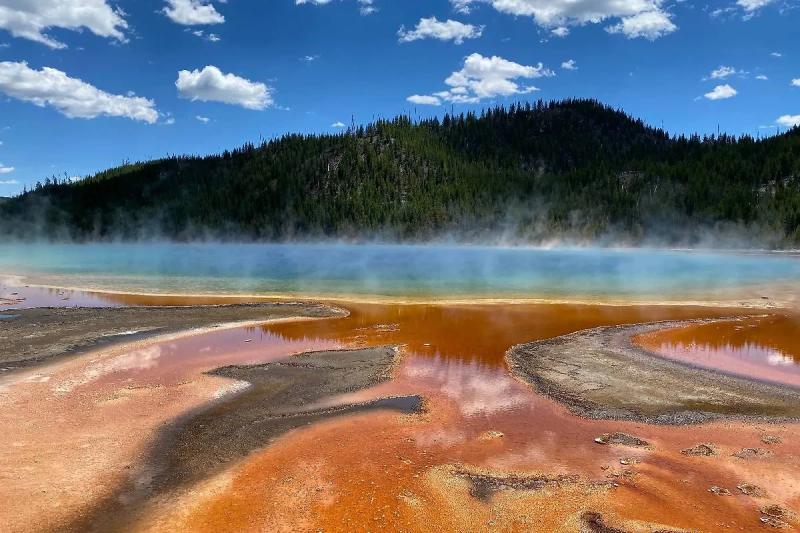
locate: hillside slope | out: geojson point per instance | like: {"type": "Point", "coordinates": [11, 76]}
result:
{"type": "Point", "coordinates": [572, 169]}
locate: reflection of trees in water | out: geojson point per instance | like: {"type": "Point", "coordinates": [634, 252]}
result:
{"type": "Point", "coordinates": [773, 340]}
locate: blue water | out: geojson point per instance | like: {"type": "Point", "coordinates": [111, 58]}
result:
{"type": "Point", "coordinates": [394, 270]}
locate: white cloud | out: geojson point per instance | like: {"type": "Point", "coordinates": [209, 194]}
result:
{"type": "Point", "coordinates": [649, 24]}
{"type": "Point", "coordinates": [70, 96]}
{"type": "Point", "coordinates": [212, 85]}
{"type": "Point", "coordinates": [309, 58]}
{"type": "Point", "coordinates": [721, 92]}
{"type": "Point", "coordinates": [6, 170]}
{"type": "Point", "coordinates": [192, 12]}
{"type": "Point", "coordinates": [569, 65]}
{"type": "Point", "coordinates": [204, 120]}
{"type": "Point", "coordinates": [488, 77]}
{"type": "Point", "coordinates": [422, 99]}
{"type": "Point", "coordinates": [721, 73]}
{"type": "Point", "coordinates": [762, 77]}
{"type": "Point", "coordinates": [211, 37]}
{"type": "Point", "coordinates": [753, 5]}
{"type": "Point", "coordinates": [448, 30]}
{"type": "Point", "coordinates": [561, 31]}
{"type": "Point", "coordinates": [776, 54]}
{"type": "Point", "coordinates": [338, 125]}
{"type": "Point", "coordinates": [30, 19]}
{"type": "Point", "coordinates": [796, 82]}
{"type": "Point", "coordinates": [636, 18]}
{"type": "Point", "coordinates": [788, 121]}
{"type": "Point", "coordinates": [367, 7]}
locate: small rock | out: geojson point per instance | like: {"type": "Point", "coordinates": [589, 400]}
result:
{"type": "Point", "coordinates": [622, 439]}
{"type": "Point", "coordinates": [720, 491]}
{"type": "Point", "coordinates": [628, 461]}
{"type": "Point", "coordinates": [774, 522]}
{"type": "Point", "coordinates": [749, 453]}
{"type": "Point", "coordinates": [776, 511]}
{"type": "Point", "coordinates": [491, 435]}
{"type": "Point", "coordinates": [751, 490]}
{"type": "Point", "coordinates": [776, 516]}
{"type": "Point", "coordinates": [700, 450]}
{"type": "Point", "coordinates": [770, 439]}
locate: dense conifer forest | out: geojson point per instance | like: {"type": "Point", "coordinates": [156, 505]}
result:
{"type": "Point", "coordinates": [573, 169]}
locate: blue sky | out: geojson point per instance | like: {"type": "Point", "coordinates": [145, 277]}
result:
{"type": "Point", "coordinates": [87, 84]}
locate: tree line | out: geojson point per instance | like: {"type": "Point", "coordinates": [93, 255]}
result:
{"type": "Point", "coordinates": [571, 169]}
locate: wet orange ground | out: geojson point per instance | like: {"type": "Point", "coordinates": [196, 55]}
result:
{"type": "Point", "coordinates": [377, 472]}
{"type": "Point", "coordinates": [72, 432]}
{"type": "Point", "coordinates": [764, 347]}
{"type": "Point", "coordinates": [383, 471]}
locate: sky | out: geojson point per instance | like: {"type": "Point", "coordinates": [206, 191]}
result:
{"type": "Point", "coordinates": [90, 84]}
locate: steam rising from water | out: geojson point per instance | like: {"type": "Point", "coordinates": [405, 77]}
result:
{"type": "Point", "coordinates": [392, 269]}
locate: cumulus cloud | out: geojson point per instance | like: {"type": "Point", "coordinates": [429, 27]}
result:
{"type": "Point", "coordinates": [338, 125]}
{"type": "Point", "coordinates": [762, 77]}
{"type": "Point", "coordinates": [212, 85]}
{"type": "Point", "coordinates": [488, 77]}
{"type": "Point", "coordinates": [721, 73]}
{"type": "Point", "coordinates": [6, 170]}
{"type": "Point", "coordinates": [776, 54]}
{"type": "Point", "coordinates": [561, 31]}
{"type": "Point", "coordinates": [788, 121]}
{"type": "Point", "coordinates": [70, 96]}
{"type": "Point", "coordinates": [192, 12]}
{"type": "Point", "coordinates": [649, 25]}
{"type": "Point", "coordinates": [721, 92]}
{"type": "Point", "coordinates": [424, 99]}
{"type": "Point", "coordinates": [796, 82]}
{"type": "Point", "coordinates": [204, 120]}
{"type": "Point", "coordinates": [448, 30]}
{"type": "Point", "coordinates": [569, 65]}
{"type": "Point", "coordinates": [30, 19]}
{"type": "Point", "coordinates": [636, 18]}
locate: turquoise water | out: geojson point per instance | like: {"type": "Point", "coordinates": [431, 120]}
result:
{"type": "Point", "coordinates": [393, 270]}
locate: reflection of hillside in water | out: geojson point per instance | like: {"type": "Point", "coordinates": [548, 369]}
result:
{"type": "Point", "coordinates": [763, 347]}
{"type": "Point", "coordinates": [750, 351]}
{"type": "Point", "coordinates": [474, 333]}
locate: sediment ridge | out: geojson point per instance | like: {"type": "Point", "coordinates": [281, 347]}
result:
{"type": "Point", "coordinates": [31, 337]}
{"type": "Point", "coordinates": [601, 373]}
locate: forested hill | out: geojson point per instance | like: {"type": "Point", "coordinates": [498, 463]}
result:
{"type": "Point", "coordinates": [572, 169]}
